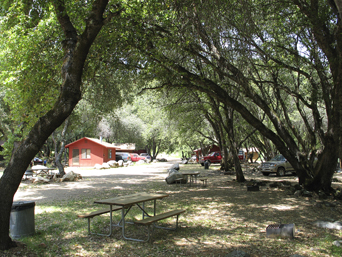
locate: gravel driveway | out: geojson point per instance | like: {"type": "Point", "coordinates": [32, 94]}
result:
{"type": "Point", "coordinates": [93, 180]}
{"type": "Point", "coordinates": [120, 178]}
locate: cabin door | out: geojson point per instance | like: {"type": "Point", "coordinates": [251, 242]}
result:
{"type": "Point", "coordinates": [75, 157]}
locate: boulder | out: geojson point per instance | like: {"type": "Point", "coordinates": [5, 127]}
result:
{"type": "Point", "coordinates": [140, 162]}
{"type": "Point", "coordinates": [170, 171]}
{"type": "Point", "coordinates": [337, 243]}
{"type": "Point", "coordinates": [328, 224]}
{"type": "Point", "coordinates": [105, 166]}
{"type": "Point", "coordinates": [97, 166]}
{"type": "Point", "coordinates": [128, 163]}
{"type": "Point", "coordinates": [39, 180]}
{"type": "Point", "coordinates": [113, 164]}
{"type": "Point", "coordinates": [171, 178]}
{"type": "Point", "coordinates": [175, 166]}
{"type": "Point", "coordinates": [70, 176]}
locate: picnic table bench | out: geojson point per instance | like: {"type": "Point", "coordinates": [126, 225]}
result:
{"type": "Point", "coordinates": [204, 180]}
{"type": "Point", "coordinates": [179, 180]}
{"type": "Point", "coordinates": [152, 219]}
{"type": "Point", "coordinates": [97, 213]}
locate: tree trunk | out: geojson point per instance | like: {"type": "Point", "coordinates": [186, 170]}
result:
{"type": "Point", "coordinates": [25, 152]}
{"type": "Point", "coordinates": [76, 50]}
{"type": "Point", "coordinates": [324, 168]}
{"type": "Point", "coordinates": [232, 146]}
{"type": "Point", "coordinates": [238, 170]}
{"type": "Point", "coordinates": [225, 158]}
{"type": "Point", "coordinates": [59, 154]}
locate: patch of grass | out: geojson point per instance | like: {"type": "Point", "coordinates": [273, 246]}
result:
{"type": "Point", "coordinates": [219, 218]}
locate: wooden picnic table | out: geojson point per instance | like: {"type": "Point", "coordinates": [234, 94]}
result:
{"type": "Point", "coordinates": [193, 175]}
{"type": "Point", "coordinates": [41, 170]}
{"type": "Point", "coordinates": [138, 199]}
{"type": "Point", "coordinates": [38, 170]}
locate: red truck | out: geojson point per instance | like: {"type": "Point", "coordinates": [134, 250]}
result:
{"type": "Point", "coordinates": [213, 157]}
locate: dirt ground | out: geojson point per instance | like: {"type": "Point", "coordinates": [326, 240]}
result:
{"type": "Point", "coordinates": [274, 203]}
{"type": "Point", "coordinates": [95, 180]}
{"type": "Point", "coordinates": [92, 181]}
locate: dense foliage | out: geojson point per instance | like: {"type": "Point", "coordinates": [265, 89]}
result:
{"type": "Point", "coordinates": [275, 64]}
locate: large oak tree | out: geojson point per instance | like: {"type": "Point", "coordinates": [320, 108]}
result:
{"type": "Point", "coordinates": [76, 40]}
{"type": "Point", "coordinates": [284, 57]}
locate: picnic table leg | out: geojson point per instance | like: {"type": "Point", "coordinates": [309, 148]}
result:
{"type": "Point", "coordinates": [110, 222]}
{"type": "Point", "coordinates": [192, 179]}
{"type": "Point", "coordinates": [110, 225]}
{"type": "Point", "coordinates": [196, 179]}
{"type": "Point", "coordinates": [143, 213]}
{"type": "Point", "coordinates": [110, 219]}
{"type": "Point", "coordinates": [123, 222]}
{"type": "Point", "coordinates": [123, 214]}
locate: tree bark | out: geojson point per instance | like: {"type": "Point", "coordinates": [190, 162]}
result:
{"type": "Point", "coordinates": [59, 153]}
{"type": "Point", "coordinates": [225, 158]}
{"type": "Point", "coordinates": [233, 147]}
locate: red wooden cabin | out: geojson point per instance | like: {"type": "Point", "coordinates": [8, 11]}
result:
{"type": "Point", "coordinates": [86, 152]}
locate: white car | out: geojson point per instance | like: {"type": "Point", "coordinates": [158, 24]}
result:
{"type": "Point", "coordinates": [146, 156]}
{"type": "Point", "coordinates": [278, 165]}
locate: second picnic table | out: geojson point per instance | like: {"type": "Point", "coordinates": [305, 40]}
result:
{"type": "Point", "coordinates": [193, 175]}
{"type": "Point", "coordinates": [38, 170]}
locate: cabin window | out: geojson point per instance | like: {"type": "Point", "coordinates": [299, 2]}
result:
{"type": "Point", "coordinates": [109, 153]}
{"type": "Point", "coordinates": [86, 153]}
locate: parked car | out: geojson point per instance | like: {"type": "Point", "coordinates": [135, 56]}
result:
{"type": "Point", "coordinates": [37, 161]}
{"type": "Point", "coordinates": [125, 156]}
{"type": "Point", "coordinates": [213, 157]}
{"type": "Point", "coordinates": [241, 155]}
{"type": "Point", "coordinates": [118, 157]}
{"type": "Point", "coordinates": [278, 165]}
{"type": "Point", "coordinates": [136, 157]}
{"type": "Point", "coordinates": [146, 155]}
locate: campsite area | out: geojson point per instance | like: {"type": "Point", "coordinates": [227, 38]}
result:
{"type": "Point", "coordinates": [221, 219]}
